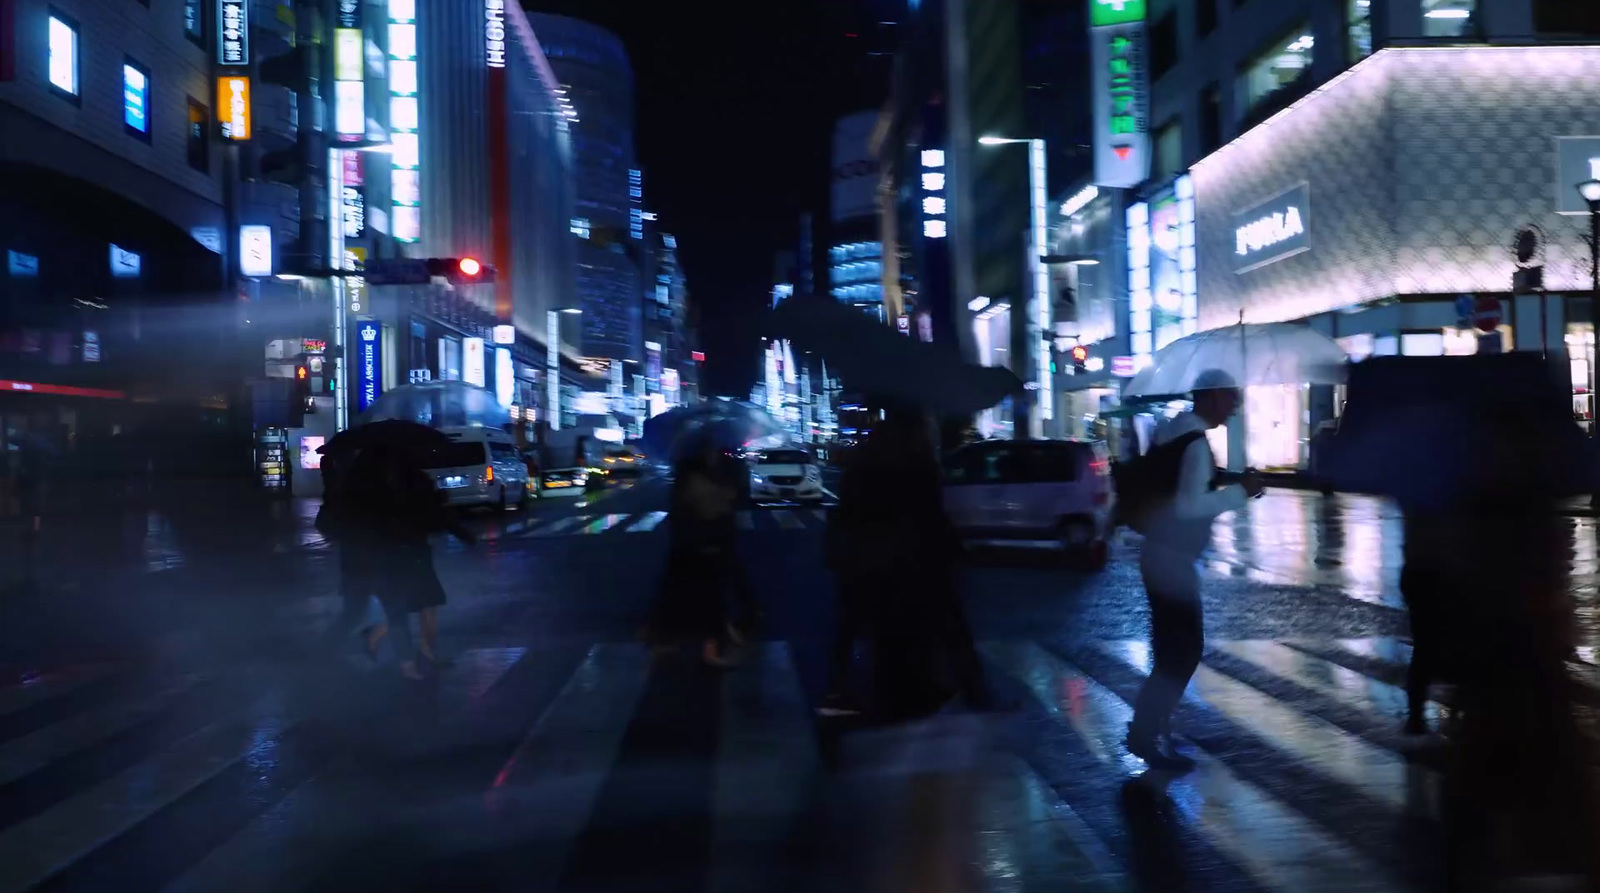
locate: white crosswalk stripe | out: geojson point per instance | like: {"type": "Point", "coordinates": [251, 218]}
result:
{"type": "Point", "coordinates": [645, 522]}
{"type": "Point", "coordinates": [766, 768]}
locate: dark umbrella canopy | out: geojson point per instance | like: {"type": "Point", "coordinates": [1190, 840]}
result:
{"type": "Point", "coordinates": [888, 367]}
{"type": "Point", "coordinates": [730, 424]}
{"type": "Point", "coordinates": [1430, 430]}
{"type": "Point", "coordinates": [396, 434]}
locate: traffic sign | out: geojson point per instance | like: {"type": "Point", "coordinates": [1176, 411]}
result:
{"type": "Point", "coordinates": [1486, 313]}
{"type": "Point", "coordinates": [397, 271]}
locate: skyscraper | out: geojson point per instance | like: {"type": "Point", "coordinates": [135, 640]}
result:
{"type": "Point", "coordinates": [593, 68]}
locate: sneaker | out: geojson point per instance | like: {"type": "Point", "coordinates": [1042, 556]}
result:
{"type": "Point", "coordinates": [836, 704]}
{"type": "Point", "coordinates": [1148, 748]}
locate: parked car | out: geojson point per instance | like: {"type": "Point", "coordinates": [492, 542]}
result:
{"type": "Point", "coordinates": [1030, 491]}
{"type": "Point", "coordinates": [481, 466]}
{"type": "Point", "coordinates": [786, 474]}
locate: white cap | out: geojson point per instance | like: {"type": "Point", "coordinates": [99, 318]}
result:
{"type": "Point", "coordinates": [1215, 380]}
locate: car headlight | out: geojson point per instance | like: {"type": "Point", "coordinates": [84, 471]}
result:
{"type": "Point", "coordinates": [755, 479]}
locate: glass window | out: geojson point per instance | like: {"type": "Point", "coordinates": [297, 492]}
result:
{"type": "Point", "coordinates": [1281, 65]}
{"type": "Point", "coordinates": [136, 99]}
{"type": "Point", "coordinates": [1211, 120]}
{"type": "Point", "coordinates": [1360, 29]}
{"type": "Point", "coordinates": [198, 138]}
{"type": "Point", "coordinates": [63, 54]}
{"type": "Point", "coordinates": [1163, 45]}
{"type": "Point", "coordinates": [194, 22]}
{"type": "Point", "coordinates": [1447, 18]}
{"type": "Point", "coordinates": [1169, 150]}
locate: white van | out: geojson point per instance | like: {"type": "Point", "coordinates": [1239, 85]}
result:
{"type": "Point", "coordinates": [481, 466]}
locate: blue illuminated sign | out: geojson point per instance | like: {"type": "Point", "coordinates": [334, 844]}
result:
{"type": "Point", "coordinates": [135, 98]}
{"type": "Point", "coordinates": [369, 364]}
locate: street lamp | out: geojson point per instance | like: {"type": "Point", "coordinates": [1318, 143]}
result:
{"type": "Point", "coordinates": [1044, 397]}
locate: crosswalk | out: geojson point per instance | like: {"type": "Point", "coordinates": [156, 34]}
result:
{"type": "Point", "coordinates": [645, 522]}
{"type": "Point", "coordinates": [262, 778]}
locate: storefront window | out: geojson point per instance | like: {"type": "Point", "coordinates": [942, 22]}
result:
{"type": "Point", "coordinates": [1447, 18]}
{"type": "Point", "coordinates": [1360, 29]}
{"type": "Point", "coordinates": [1277, 419]}
{"type": "Point", "coordinates": [1281, 65]}
{"type": "Point", "coordinates": [1580, 351]}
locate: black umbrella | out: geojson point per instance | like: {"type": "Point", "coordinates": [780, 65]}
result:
{"type": "Point", "coordinates": [888, 367]}
{"type": "Point", "coordinates": [397, 434]}
{"type": "Point", "coordinates": [1426, 430]}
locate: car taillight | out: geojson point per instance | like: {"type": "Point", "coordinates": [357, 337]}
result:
{"type": "Point", "coordinates": [1100, 467]}
{"type": "Point", "coordinates": [488, 474]}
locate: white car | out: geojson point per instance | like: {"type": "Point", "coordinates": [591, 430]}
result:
{"type": "Point", "coordinates": [481, 466]}
{"type": "Point", "coordinates": [784, 475]}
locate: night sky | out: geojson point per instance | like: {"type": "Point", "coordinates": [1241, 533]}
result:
{"type": "Point", "coordinates": [733, 128]}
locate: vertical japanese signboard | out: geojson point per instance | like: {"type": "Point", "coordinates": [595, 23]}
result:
{"type": "Point", "coordinates": [233, 32]}
{"type": "Point", "coordinates": [1121, 92]}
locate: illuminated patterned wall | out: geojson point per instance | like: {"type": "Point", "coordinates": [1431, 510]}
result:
{"type": "Point", "coordinates": [1420, 165]}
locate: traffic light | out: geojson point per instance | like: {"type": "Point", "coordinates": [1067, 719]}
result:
{"type": "Point", "coordinates": [1080, 356]}
{"type": "Point", "coordinates": [460, 270]}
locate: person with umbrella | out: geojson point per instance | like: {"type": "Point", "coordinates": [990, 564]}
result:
{"type": "Point", "coordinates": [895, 554]}
{"type": "Point", "coordinates": [1177, 530]}
{"type": "Point", "coordinates": [384, 511]}
{"type": "Point", "coordinates": [700, 557]}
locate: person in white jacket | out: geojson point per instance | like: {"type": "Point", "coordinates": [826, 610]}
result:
{"type": "Point", "coordinates": [1177, 530]}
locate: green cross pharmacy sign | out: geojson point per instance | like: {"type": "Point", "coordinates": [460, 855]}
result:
{"type": "Point", "coordinates": [1115, 12]}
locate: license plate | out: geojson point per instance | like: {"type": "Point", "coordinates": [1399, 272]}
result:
{"type": "Point", "coordinates": [454, 481]}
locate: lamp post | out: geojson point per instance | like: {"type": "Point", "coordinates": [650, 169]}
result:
{"type": "Point", "coordinates": [1039, 319]}
{"type": "Point", "coordinates": [1590, 190]}
{"type": "Point", "coordinates": [552, 364]}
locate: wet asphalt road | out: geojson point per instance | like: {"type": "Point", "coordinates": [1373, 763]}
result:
{"type": "Point", "coordinates": [169, 721]}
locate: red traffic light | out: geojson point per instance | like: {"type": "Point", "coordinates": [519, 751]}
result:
{"type": "Point", "coordinates": [469, 266]}
{"type": "Point", "coordinates": [1079, 353]}
{"type": "Point", "coordinates": [301, 373]}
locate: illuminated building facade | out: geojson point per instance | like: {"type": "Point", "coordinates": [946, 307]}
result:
{"type": "Point", "coordinates": [592, 67]}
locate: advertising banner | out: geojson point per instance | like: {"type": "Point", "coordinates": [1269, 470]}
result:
{"type": "Point", "coordinates": [1121, 92]}
{"type": "Point", "coordinates": [855, 171]}
{"type": "Point", "coordinates": [1273, 230]}
{"type": "Point", "coordinates": [472, 362]}
{"type": "Point", "coordinates": [369, 363]}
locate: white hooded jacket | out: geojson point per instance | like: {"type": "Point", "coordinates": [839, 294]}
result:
{"type": "Point", "coordinates": [1178, 530]}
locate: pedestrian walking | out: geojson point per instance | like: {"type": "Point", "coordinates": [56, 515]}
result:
{"type": "Point", "coordinates": [1177, 530]}
{"type": "Point", "coordinates": [692, 604]}
{"type": "Point", "coordinates": [397, 509]}
{"type": "Point", "coordinates": [896, 557]}
{"type": "Point", "coordinates": [342, 522]}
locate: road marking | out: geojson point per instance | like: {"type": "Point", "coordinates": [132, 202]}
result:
{"type": "Point", "coordinates": [766, 771]}
{"type": "Point", "coordinates": [744, 521]}
{"type": "Point", "coordinates": [787, 520]}
{"type": "Point", "coordinates": [829, 493]}
{"type": "Point", "coordinates": [1342, 684]}
{"type": "Point", "coordinates": [602, 524]}
{"type": "Point", "coordinates": [51, 685]}
{"type": "Point", "coordinates": [646, 522]}
{"type": "Point", "coordinates": [40, 748]}
{"type": "Point", "coordinates": [1383, 776]}
{"type": "Point", "coordinates": [559, 526]}
{"type": "Point", "coordinates": [1276, 845]}
{"type": "Point", "coordinates": [36, 849]}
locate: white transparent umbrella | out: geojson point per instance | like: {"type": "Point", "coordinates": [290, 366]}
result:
{"type": "Point", "coordinates": [1253, 353]}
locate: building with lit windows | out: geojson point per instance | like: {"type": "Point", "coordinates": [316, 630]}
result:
{"type": "Point", "coordinates": [119, 208]}
{"type": "Point", "coordinates": [479, 166]}
{"type": "Point", "coordinates": [1363, 168]}
{"type": "Point", "coordinates": [592, 67]}
{"type": "Point", "coordinates": [855, 254]}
